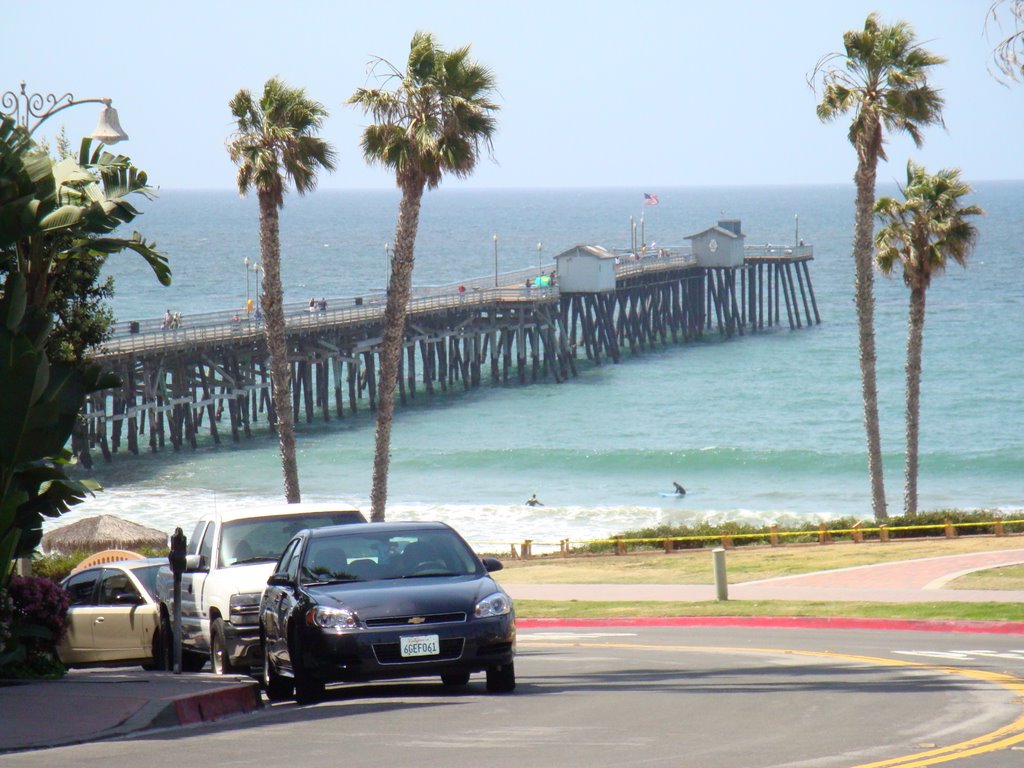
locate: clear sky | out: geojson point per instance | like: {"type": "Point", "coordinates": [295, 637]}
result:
{"type": "Point", "coordinates": [646, 95]}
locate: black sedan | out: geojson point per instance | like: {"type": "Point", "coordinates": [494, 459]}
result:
{"type": "Point", "coordinates": [380, 601]}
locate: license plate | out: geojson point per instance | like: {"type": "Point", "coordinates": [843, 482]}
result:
{"type": "Point", "coordinates": [420, 645]}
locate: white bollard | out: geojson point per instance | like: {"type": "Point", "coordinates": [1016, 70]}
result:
{"type": "Point", "coordinates": [721, 584]}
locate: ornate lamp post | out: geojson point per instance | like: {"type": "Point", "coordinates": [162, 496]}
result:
{"type": "Point", "coordinates": [30, 110]}
{"type": "Point", "coordinates": [495, 261]}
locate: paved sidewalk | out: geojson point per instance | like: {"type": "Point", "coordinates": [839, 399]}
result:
{"type": "Point", "coordinates": [90, 705]}
{"type": "Point", "coordinates": [93, 704]}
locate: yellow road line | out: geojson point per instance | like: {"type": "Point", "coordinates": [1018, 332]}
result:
{"type": "Point", "coordinates": [1000, 738]}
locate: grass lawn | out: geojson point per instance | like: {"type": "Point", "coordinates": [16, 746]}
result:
{"type": "Point", "coordinates": [1006, 577]}
{"type": "Point", "coordinates": [573, 609]}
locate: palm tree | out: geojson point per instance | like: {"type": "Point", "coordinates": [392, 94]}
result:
{"type": "Point", "coordinates": [883, 82]}
{"type": "Point", "coordinates": [1007, 58]}
{"type": "Point", "coordinates": [274, 143]}
{"type": "Point", "coordinates": [921, 233]}
{"type": "Point", "coordinates": [435, 121]}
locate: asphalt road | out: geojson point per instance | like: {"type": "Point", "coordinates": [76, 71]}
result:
{"type": "Point", "coordinates": [708, 697]}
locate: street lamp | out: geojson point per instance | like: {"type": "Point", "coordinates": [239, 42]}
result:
{"type": "Point", "coordinates": [256, 271]}
{"type": "Point", "coordinates": [540, 247]}
{"type": "Point", "coordinates": [247, 299]}
{"type": "Point", "coordinates": [387, 265]}
{"type": "Point", "coordinates": [23, 106]}
{"type": "Point", "coordinates": [632, 235]}
{"type": "Point", "coordinates": [796, 231]}
{"type": "Point", "coordinates": [643, 238]}
{"type": "Point", "coordinates": [495, 261]}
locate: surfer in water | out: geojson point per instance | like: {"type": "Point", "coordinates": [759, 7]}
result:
{"type": "Point", "coordinates": [533, 501]}
{"type": "Point", "coordinates": [680, 491]}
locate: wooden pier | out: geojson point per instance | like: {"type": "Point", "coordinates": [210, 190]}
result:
{"type": "Point", "coordinates": [211, 376]}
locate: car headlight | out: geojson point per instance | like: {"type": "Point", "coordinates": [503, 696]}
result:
{"type": "Point", "coordinates": [497, 604]}
{"type": "Point", "coordinates": [244, 608]}
{"type": "Point", "coordinates": [332, 618]}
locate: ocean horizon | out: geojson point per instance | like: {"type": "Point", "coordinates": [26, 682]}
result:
{"type": "Point", "coordinates": [764, 427]}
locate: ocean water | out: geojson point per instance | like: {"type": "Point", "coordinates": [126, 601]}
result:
{"type": "Point", "coordinates": [761, 427]}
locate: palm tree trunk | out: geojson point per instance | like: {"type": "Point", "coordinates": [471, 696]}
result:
{"type": "Point", "coordinates": [277, 346]}
{"type": "Point", "coordinates": [915, 344]}
{"type": "Point", "coordinates": [391, 346]}
{"type": "Point", "coordinates": [863, 248]}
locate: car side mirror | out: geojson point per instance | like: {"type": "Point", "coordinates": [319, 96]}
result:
{"type": "Point", "coordinates": [127, 598]}
{"type": "Point", "coordinates": [492, 564]}
{"type": "Point", "coordinates": [279, 580]}
{"type": "Point", "coordinates": [195, 563]}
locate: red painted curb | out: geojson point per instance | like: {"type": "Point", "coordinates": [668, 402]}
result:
{"type": "Point", "coordinates": [204, 707]}
{"type": "Point", "coordinates": [788, 622]}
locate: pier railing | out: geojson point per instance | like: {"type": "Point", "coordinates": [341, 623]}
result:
{"type": "Point", "coordinates": [153, 334]}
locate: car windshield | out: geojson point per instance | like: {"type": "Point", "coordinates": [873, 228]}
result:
{"type": "Point", "coordinates": [392, 555]}
{"type": "Point", "coordinates": [261, 539]}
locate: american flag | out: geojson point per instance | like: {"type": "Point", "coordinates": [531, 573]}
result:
{"type": "Point", "coordinates": [650, 199]}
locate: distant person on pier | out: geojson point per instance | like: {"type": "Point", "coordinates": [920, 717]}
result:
{"type": "Point", "coordinates": [680, 491]}
{"type": "Point", "coordinates": [323, 304]}
{"type": "Point", "coordinates": [533, 501]}
{"type": "Point", "coordinates": [168, 319]}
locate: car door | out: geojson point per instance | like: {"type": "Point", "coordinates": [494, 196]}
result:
{"type": "Point", "coordinates": [279, 601]}
{"type": "Point", "coordinates": [77, 644]}
{"type": "Point", "coordinates": [123, 623]}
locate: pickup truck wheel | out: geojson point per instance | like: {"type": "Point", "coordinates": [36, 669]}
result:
{"type": "Point", "coordinates": [220, 661]}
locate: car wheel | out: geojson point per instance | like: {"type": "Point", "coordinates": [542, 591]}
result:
{"type": "Point", "coordinates": [501, 679]}
{"type": "Point", "coordinates": [220, 661]}
{"type": "Point", "coordinates": [308, 689]}
{"type": "Point", "coordinates": [159, 660]}
{"type": "Point", "coordinates": [455, 679]}
{"type": "Point", "coordinates": [278, 688]}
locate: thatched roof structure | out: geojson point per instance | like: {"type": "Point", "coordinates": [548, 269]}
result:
{"type": "Point", "coordinates": [91, 534]}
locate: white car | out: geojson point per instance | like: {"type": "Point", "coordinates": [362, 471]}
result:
{"type": "Point", "coordinates": [113, 616]}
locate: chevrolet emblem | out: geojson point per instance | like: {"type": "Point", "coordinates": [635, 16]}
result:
{"type": "Point", "coordinates": [417, 620]}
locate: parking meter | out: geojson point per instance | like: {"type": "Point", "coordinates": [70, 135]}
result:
{"type": "Point", "coordinates": [176, 557]}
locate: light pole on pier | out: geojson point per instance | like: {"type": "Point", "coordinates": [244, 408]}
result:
{"type": "Point", "coordinates": [643, 237]}
{"type": "Point", "coordinates": [248, 305]}
{"type": "Point", "coordinates": [796, 229]}
{"type": "Point", "coordinates": [256, 271]}
{"type": "Point", "coordinates": [632, 235]}
{"type": "Point", "coordinates": [23, 106]}
{"type": "Point", "coordinates": [387, 266]}
{"type": "Point", "coordinates": [540, 247]}
{"type": "Point", "coordinates": [495, 261]}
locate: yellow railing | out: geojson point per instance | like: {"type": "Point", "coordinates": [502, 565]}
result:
{"type": "Point", "coordinates": [775, 537]}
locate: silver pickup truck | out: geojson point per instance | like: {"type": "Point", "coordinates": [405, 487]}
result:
{"type": "Point", "coordinates": [230, 556]}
